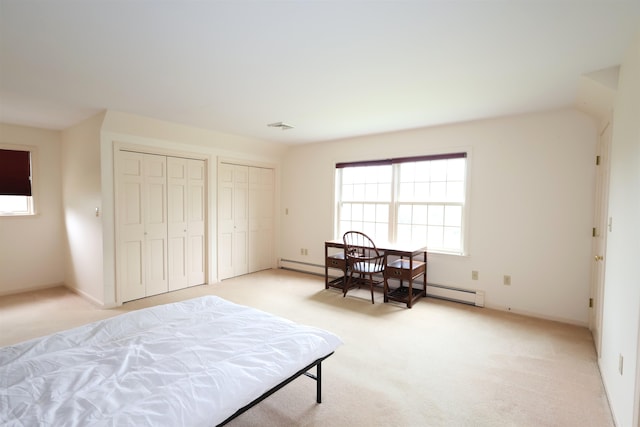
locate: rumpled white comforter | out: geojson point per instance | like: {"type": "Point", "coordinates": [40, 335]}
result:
{"type": "Point", "coordinates": [189, 363]}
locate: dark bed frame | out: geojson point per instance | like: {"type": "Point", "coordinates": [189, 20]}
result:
{"type": "Point", "coordinates": [304, 371]}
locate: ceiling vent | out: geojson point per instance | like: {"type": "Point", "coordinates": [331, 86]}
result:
{"type": "Point", "coordinates": [281, 125]}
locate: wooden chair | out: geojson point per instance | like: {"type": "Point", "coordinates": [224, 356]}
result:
{"type": "Point", "coordinates": [363, 259]}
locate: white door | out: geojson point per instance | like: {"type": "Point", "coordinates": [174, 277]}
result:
{"type": "Point", "coordinates": [177, 198]}
{"type": "Point", "coordinates": [600, 235]}
{"type": "Point", "coordinates": [131, 241]}
{"type": "Point", "coordinates": [155, 214]}
{"type": "Point", "coordinates": [261, 218]}
{"type": "Point", "coordinates": [196, 220]}
{"type": "Point", "coordinates": [142, 225]}
{"type": "Point", "coordinates": [232, 220]}
{"type": "Point", "coordinates": [186, 222]}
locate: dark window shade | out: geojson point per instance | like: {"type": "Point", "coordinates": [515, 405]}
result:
{"type": "Point", "coordinates": [401, 160]}
{"type": "Point", "coordinates": [15, 173]}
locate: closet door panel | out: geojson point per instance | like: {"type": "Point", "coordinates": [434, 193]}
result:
{"type": "Point", "coordinates": [130, 248]}
{"type": "Point", "coordinates": [196, 216]}
{"type": "Point", "coordinates": [261, 218]}
{"type": "Point", "coordinates": [177, 222]}
{"type": "Point", "coordinates": [240, 220]}
{"type": "Point", "coordinates": [155, 214]}
{"type": "Point", "coordinates": [225, 221]}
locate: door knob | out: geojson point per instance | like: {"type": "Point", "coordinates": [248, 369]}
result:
{"type": "Point", "coordinates": [599, 257]}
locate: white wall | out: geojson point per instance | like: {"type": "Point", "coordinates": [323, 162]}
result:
{"type": "Point", "coordinates": [531, 183]}
{"type": "Point", "coordinates": [81, 190]}
{"type": "Point", "coordinates": [31, 248]}
{"type": "Point", "coordinates": [621, 311]}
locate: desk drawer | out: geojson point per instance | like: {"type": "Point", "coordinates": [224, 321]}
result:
{"type": "Point", "coordinates": [336, 261]}
{"type": "Point", "coordinates": [400, 269]}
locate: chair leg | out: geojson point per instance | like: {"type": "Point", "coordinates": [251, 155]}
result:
{"type": "Point", "coordinates": [386, 289]}
{"type": "Point", "coordinates": [347, 285]}
{"type": "Point", "coordinates": [371, 286]}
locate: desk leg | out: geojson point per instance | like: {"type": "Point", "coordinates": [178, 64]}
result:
{"type": "Point", "coordinates": [326, 267]}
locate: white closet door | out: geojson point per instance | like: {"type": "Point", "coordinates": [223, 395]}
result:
{"type": "Point", "coordinates": [261, 218]}
{"type": "Point", "coordinates": [232, 220]}
{"type": "Point", "coordinates": [142, 225]}
{"type": "Point", "coordinates": [196, 216]}
{"type": "Point", "coordinates": [155, 213]}
{"type": "Point", "coordinates": [177, 198]}
{"type": "Point", "coordinates": [131, 242]}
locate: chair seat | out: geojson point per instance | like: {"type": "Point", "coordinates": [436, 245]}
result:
{"type": "Point", "coordinates": [367, 267]}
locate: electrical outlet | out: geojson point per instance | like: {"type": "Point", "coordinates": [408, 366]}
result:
{"type": "Point", "coordinates": [620, 363]}
{"type": "Point", "coordinates": [301, 251]}
{"type": "Point", "coordinates": [507, 280]}
{"type": "Point", "coordinates": [474, 275]}
{"type": "Point", "coordinates": [306, 251]}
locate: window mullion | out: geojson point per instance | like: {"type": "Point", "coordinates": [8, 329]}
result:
{"type": "Point", "coordinates": [393, 206]}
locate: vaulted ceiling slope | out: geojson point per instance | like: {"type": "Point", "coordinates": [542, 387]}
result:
{"type": "Point", "coordinates": [331, 69]}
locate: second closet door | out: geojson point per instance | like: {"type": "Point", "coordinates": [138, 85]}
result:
{"type": "Point", "coordinates": [186, 220]}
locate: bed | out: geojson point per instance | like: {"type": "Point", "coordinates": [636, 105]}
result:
{"type": "Point", "coordinates": [197, 362]}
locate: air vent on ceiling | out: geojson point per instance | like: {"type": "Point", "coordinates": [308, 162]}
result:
{"type": "Point", "coordinates": [281, 125]}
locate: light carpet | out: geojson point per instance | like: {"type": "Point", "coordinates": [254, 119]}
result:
{"type": "Point", "coordinates": [437, 364]}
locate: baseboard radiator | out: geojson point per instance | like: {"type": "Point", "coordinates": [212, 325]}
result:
{"type": "Point", "coordinates": [449, 293]}
{"type": "Point", "coordinates": [464, 296]}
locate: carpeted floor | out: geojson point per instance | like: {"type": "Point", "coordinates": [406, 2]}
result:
{"type": "Point", "coordinates": [438, 364]}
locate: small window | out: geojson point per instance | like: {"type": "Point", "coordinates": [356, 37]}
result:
{"type": "Point", "coordinates": [16, 182]}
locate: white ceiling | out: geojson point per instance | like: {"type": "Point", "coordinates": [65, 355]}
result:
{"type": "Point", "coordinates": [332, 69]}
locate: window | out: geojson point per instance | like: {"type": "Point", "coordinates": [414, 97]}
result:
{"type": "Point", "coordinates": [16, 187]}
{"type": "Point", "coordinates": [413, 200]}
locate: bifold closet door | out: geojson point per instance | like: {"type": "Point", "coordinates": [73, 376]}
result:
{"type": "Point", "coordinates": [186, 219]}
{"type": "Point", "coordinates": [233, 220]}
{"type": "Point", "coordinates": [142, 223]}
{"type": "Point", "coordinates": [261, 218]}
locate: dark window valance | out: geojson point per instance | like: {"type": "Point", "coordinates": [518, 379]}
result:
{"type": "Point", "coordinates": [402, 160]}
{"type": "Point", "coordinates": [15, 173]}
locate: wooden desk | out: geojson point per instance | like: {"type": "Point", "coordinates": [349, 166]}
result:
{"type": "Point", "coordinates": [411, 263]}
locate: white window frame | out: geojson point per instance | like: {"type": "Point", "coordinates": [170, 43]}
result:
{"type": "Point", "coordinates": [31, 200]}
{"type": "Point", "coordinates": [394, 203]}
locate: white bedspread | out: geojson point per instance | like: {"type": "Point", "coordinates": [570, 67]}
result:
{"type": "Point", "coordinates": [190, 363]}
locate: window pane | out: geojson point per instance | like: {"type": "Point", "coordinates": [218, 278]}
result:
{"type": "Point", "coordinates": [423, 171]}
{"type": "Point", "coordinates": [384, 192]}
{"type": "Point", "coordinates": [382, 213]}
{"type": "Point", "coordinates": [456, 169]}
{"type": "Point", "coordinates": [453, 216]}
{"type": "Point", "coordinates": [404, 214]}
{"type": "Point", "coordinates": [14, 204]}
{"type": "Point", "coordinates": [406, 192]}
{"type": "Point", "coordinates": [436, 215]}
{"type": "Point", "coordinates": [420, 214]}
{"type": "Point", "coordinates": [407, 172]}
{"type": "Point", "coordinates": [369, 213]}
{"type": "Point", "coordinates": [455, 191]}
{"type": "Point", "coordinates": [345, 211]}
{"type": "Point", "coordinates": [435, 237]}
{"type": "Point", "coordinates": [438, 191]}
{"type": "Point", "coordinates": [347, 192]}
{"type": "Point", "coordinates": [404, 233]}
{"type": "Point", "coordinates": [358, 192]}
{"type": "Point", "coordinates": [439, 170]}
{"type": "Point", "coordinates": [451, 238]}
{"type": "Point", "coordinates": [421, 191]}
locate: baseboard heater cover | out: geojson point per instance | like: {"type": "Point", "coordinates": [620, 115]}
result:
{"type": "Point", "coordinates": [303, 267]}
{"type": "Point", "coordinates": [449, 293]}
{"type": "Point", "coordinates": [464, 296]}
